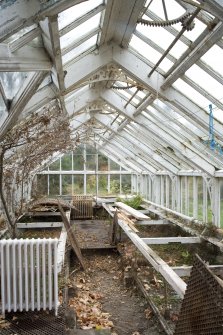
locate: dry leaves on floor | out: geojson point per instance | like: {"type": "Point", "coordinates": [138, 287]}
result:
{"type": "Point", "coordinates": [89, 310]}
{"type": "Point", "coordinates": [4, 323]}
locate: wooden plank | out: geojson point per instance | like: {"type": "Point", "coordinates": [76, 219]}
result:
{"type": "Point", "coordinates": [113, 236]}
{"type": "Point", "coordinates": [129, 222]}
{"type": "Point", "coordinates": [153, 222]}
{"type": "Point", "coordinates": [39, 213]}
{"type": "Point", "coordinates": [33, 225]}
{"type": "Point", "coordinates": [166, 240]}
{"type": "Point", "coordinates": [71, 236]}
{"type": "Point", "coordinates": [132, 211]}
{"type": "Point", "coordinates": [158, 263]}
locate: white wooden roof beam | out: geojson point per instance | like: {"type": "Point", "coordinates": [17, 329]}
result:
{"type": "Point", "coordinates": [40, 99]}
{"type": "Point", "coordinates": [140, 150]}
{"type": "Point", "coordinates": [57, 59]}
{"type": "Point", "coordinates": [176, 136]}
{"type": "Point", "coordinates": [117, 158]}
{"type": "Point", "coordinates": [24, 60]}
{"type": "Point", "coordinates": [192, 139]}
{"type": "Point", "coordinates": [213, 6]}
{"type": "Point", "coordinates": [28, 15]}
{"type": "Point", "coordinates": [129, 156]}
{"type": "Point", "coordinates": [184, 148]}
{"type": "Point", "coordinates": [116, 13]}
{"type": "Point", "coordinates": [141, 146]}
{"type": "Point", "coordinates": [160, 146]}
{"type": "Point", "coordinates": [81, 20]}
{"type": "Point", "coordinates": [79, 121]}
{"type": "Point", "coordinates": [175, 61]}
{"type": "Point", "coordinates": [21, 99]}
{"type": "Point", "coordinates": [81, 70]}
{"type": "Point", "coordinates": [195, 55]}
{"type": "Point", "coordinates": [81, 40]}
{"type": "Point", "coordinates": [23, 40]}
{"type": "Point", "coordinates": [138, 70]}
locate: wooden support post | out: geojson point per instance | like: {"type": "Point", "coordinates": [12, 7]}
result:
{"type": "Point", "coordinates": [71, 236]}
{"type": "Point", "coordinates": [114, 228]}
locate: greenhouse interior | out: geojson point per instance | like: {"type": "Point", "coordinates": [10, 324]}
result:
{"type": "Point", "coordinates": [111, 167]}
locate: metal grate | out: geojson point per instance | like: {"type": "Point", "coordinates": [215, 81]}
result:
{"type": "Point", "coordinates": [202, 307]}
{"type": "Point", "coordinates": [32, 323]}
{"type": "Point", "coordinates": [83, 207]}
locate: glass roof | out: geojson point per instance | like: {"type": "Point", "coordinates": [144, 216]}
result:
{"type": "Point", "coordinates": [91, 26]}
{"type": "Point", "coordinates": [11, 82]}
{"type": "Point", "coordinates": [71, 14]}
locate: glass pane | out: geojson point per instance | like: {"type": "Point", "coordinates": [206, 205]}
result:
{"type": "Point", "coordinates": [114, 166]}
{"type": "Point", "coordinates": [90, 149]}
{"type": "Point", "coordinates": [20, 33]}
{"type": "Point", "coordinates": [54, 185]}
{"type": "Point", "coordinates": [174, 10]}
{"type": "Point", "coordinates": [102, 163]}
{"type": "Point", "coordinates": [91, 184]}
{"type": "Point", "coordinates": [78, 163]}
{"type": "Point", "coordinates": [79, 150]}
{"type": "Point", "coordinates": [126, 183]}
{"type": "Point", "coordinates": [149, 53]}
{"type": "Point", "coordinates": [102, 185]}
{"type": "Point", "coordinates": [204, 80]}
{"type": "Point", "coordinates": [191, 93]}
{"type": "Point", "coordinates": [213, 57]}
{"type": "Point", "coordinates": [79, 50]}
{"type": "Point", "coordinates": [84, 28]}
{"type": "Point", "coordinates": [78, 184]}
{"type": "Point", "coordinates": [66, 162]}
{"type": "Point", "coordinates": [41, 185]}
{"type": "Point", "coordinates": [71, 14]}
{"type": "Point", "coordinates": [115, 184]}
{"type": "Point", "coordinates": [11, 82]}
{"type": "Point", "coordinates": [55, 166]}
{"type": "Point", "coordinates": [66, 184]}
{"type": "Point", "coordinates": [90, 162]}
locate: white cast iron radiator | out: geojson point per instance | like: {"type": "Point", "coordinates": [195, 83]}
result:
{"type": "Point", "coordinates": [29, 276]}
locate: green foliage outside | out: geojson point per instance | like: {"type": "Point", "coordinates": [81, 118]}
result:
{"type": "Point", "coordinates": [134, 202]}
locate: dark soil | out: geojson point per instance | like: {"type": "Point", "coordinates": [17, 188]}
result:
{"type": "Point", "coordinates": [40, 233]}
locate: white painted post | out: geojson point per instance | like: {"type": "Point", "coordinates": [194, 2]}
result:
{"type": "Point", "coordinates": [216, 202]}
{"type": "Point", "coordinates": [195, 198]}
{"type": "Point", "coordinates": [167, 204]}
{"type": "Point", "coordinates": [204, 201]}
{"type": "Point", "coordinates": [186, 196]}
{"type": "Point", "coordinates": [162, 190]}
{"type": "Point", "coordinates": [178, 193]}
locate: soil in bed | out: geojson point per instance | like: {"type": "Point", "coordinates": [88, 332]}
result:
{"type": "Point", "coordinates": [101, 299]}
{"type": "Point", "coordinates": [40, 233]}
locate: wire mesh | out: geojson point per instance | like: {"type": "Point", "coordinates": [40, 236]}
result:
{"type": "Point", "coordinates": [32, 323]}
{"type": "Point", "coordinates": [202, 307]}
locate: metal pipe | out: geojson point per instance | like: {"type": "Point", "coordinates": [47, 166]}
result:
{"type": "Point", "coordinates": [174, 41]}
